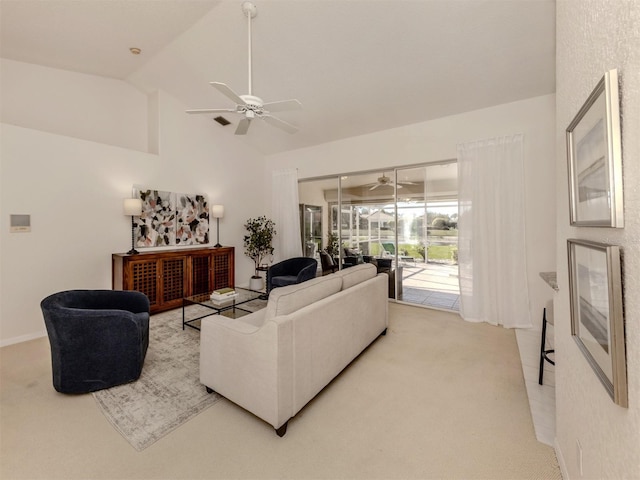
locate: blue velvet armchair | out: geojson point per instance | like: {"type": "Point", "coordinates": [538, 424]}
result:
{"type": "Point", "coordinates": [291, 271]}
{"type": "Point", "coordinates": [98, 338]}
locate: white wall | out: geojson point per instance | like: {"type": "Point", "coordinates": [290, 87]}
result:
{"type": "Point", "coordinates": [437, 140]}
{"type": "Point", "coordinates": [593, 37]}
{"type": "Point", "coordinates": [95, 108]}
{"type": "Point", "coordinates": [73, 190]}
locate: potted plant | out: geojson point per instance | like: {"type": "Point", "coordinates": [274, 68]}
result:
{"type": "Point", "coordinates": [333, 245]}
{"type": "Point", "coordinates": [258, 243]}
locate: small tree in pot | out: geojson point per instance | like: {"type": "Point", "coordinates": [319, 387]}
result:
{"type": "Point", "coordinates": [258, 243]}
{"type": "Point", "coordinates": [333, 244]}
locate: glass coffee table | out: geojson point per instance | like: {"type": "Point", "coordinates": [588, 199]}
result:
{"type": "Point", "coordinates": [231, 307]}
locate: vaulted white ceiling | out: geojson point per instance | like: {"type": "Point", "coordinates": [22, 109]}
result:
{"type": "Point", "coordinates": [357, 66]}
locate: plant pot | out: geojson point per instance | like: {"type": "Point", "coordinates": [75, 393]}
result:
{"type": "Point", "coordinates": [256, 283]}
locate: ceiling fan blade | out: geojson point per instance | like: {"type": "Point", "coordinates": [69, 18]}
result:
{"type": "Point", "coordinates": [406, 183]}
{"type": "Point", "coordinates": [375, 186]}
{"type": "Point", "coordinates": [212, 110]}
{"type": "Point", "coordinates": [282, 105]}
{"type": "Point", "coordinates": [225, 90]}
{"type": "Point", "coordinates": [243, 126]}
{"type": "Point", "coordinates": [276, 122]}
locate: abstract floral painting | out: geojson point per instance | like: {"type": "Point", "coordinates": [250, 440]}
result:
{"type": "Point", "coordinates": [192, 219]}
{"type": "Point", "coordinates": [170, 219]}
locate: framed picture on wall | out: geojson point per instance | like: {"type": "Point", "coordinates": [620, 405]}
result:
{"type": "Point", "coordinates": [171, 219]}
{"type": "Point", "coordinates": [597, 321]}
{"type": "Point", "coordinates": [595, 158]}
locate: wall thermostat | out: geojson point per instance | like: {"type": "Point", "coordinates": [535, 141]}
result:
{"type": "Point", "coordinates": [20, 223]}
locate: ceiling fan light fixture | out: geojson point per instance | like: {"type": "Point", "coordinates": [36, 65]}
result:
{"type": "Point", "coordinates": [249, 9]}
{"type": "Point", "coordinates": [385, 181]}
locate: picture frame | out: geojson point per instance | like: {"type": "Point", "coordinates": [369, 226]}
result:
{"type": "Point", "coordinates": [170, 219]}
{"type": "Point", "coordinates": [597, 320]}
{"type": "Point", "coordinates": [594, 157]}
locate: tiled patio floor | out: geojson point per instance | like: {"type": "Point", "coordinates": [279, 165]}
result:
{"type": "Point", "coordinates": [432, 285]}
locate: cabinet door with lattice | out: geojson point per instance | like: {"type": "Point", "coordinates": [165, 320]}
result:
{"type": "Point", "coordinates": [201, 274]}
{"type": "Point", "coordinates": [174, 280]}
{"type": "Point", "coordinates": [143, 276]}
{"type": "Point", "coordinates": [223, 268]}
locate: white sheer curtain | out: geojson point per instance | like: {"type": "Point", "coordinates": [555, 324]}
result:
{"type": "Point", "coordinates": [286, 216]}
{"type": "Point", "coordinates": [491, 232]}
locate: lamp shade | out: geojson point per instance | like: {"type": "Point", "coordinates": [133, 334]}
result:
{"type": "Point", "coordinates": [132, 206]}
{"type": "Point", "coordinates": [217, 211]}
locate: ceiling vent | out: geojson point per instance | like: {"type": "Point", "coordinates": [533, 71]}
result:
{"type": "Point", "coordinates": [222, 121]}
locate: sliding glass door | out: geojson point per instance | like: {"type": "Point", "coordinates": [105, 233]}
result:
{"type": "Point", "coordinates": [427, 234]}
{"type": "Point", "coordinates": [367, 215]}
{"type": "Point", "coordinates": [404, 220]}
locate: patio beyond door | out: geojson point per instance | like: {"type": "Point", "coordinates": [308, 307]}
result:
{"type": "Point", "coordinates": [402, 219]}
{"type": "Point", "coordinates": [427, 234]}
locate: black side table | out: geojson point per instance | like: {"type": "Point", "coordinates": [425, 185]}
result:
{"type": "Point", "coordinates": [265, 269]}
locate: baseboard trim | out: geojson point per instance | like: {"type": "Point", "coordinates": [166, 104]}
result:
{"type": "Point", "coordinates": [22, 338]}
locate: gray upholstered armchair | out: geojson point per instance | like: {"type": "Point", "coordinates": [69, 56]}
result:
{"type": "Point", "coordinates": [291, 271]}
{"type": "Point", "coordinates": [352, 257]}
{"type": "Point", "coordinates": [328, 265]}
{"type": "Point", "coordinates": [98, 338]}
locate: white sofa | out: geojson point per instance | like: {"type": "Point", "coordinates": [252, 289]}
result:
{"type": "Point", "coordinates": [274, 361]}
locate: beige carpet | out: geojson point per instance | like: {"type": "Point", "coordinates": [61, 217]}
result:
{"type": "Point", "coordinates": [436, 398]}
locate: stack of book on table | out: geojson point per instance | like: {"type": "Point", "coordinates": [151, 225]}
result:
{"type": "Point", "coordinates": [223, 295]}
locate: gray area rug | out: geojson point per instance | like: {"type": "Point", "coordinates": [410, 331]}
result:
{"type": "Point", "coordinates": [169, 392]}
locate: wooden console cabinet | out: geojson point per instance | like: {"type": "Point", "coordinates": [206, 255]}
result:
{"type": "Point", "coordinates": [167, 276]}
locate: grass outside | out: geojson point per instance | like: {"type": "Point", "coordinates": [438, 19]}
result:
{"type": "Point", "coordinates": [442, 252]}
{"type": "Point", "coordinates": [434, 252]}
{"type": "Point", "coordinates": [453, 232]}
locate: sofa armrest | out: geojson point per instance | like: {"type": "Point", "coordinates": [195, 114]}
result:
{"type": "Point", "coordinates": [249, 361]}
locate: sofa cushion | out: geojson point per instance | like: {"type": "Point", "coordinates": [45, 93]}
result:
{"type": "Point", "coordinates": [356, 274]}
{"type": "Point", "coordinates": [285, 300]}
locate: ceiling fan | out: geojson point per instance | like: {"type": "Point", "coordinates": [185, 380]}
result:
{"type": "Point", "coordinates": [250, 106]}
{"type": "Point", "coordinates": [385, 181]}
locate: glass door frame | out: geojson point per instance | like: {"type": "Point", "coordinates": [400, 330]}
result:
{"type": "Point", "coordinates": [395, 169]}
